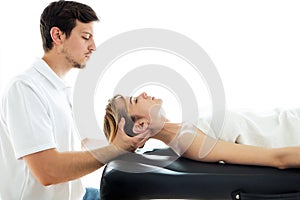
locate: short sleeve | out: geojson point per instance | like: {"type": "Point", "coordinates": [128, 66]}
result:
{"type": "Point", "coordinates": [28, 120]}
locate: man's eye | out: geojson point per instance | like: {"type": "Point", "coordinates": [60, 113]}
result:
{"type": "Point", "coordinates": [86, 38]}
{"type": "Point", "coordinates": [136, 100]}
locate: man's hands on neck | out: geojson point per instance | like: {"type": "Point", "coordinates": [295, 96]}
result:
{"type": "Point", "coordinates": [127, 143]}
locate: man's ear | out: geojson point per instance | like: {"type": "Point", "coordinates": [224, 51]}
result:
{"type": "Point", "coordinates": [56, 35]}
{"type": "Point", "coordinates": [140, 126]}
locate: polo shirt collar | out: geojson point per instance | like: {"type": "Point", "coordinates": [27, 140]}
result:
{"type": "Point", "coordinates": [42, 67]}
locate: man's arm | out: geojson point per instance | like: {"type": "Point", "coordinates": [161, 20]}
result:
{"type": "Point", "coordinates": [52, 167]}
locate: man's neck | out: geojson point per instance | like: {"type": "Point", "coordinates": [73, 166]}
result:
{"type": "Point", "coordinates": [56, 63]}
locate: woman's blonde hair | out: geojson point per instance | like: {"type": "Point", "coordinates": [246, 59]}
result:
{"type": "Point", "coordinates": [116, 109]}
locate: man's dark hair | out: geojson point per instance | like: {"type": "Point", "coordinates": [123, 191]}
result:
{"type": "Point", "coordinates": [63, 14]}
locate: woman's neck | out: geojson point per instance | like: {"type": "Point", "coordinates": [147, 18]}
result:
{"type": "Point", "coordinates": [168, 132]}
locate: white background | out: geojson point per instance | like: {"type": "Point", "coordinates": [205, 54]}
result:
{"type": "Point", "coordinates": [255, 45]}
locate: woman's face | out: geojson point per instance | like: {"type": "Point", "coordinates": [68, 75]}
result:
{"type": "Point", "coordinates": [144, 106]}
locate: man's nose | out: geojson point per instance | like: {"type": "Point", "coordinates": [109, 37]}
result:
{"type": "Point", "coordinates": [92, 46]}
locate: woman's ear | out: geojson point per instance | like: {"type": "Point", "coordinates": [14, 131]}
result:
{"type": "Point", "coordinates": [140, 126]}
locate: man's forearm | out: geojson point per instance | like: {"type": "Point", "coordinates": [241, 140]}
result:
{"type": "Point", "coordinates": [52, 167]}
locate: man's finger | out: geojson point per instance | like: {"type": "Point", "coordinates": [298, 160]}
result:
{"type": "Point", "coordinates": [143, 137]}
{"type": "Point", "coordinates": [143, 141]}
{"type": "Point", "coordinates": [121, 124]}
{"type": "Point", "coordinates": [145, 134]}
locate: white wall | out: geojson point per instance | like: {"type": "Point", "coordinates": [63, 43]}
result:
{"type": "Point", "coordinates": [255, 45]}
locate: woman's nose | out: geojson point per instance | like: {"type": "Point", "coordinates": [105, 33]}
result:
{"type": "Point", "coordinates": [144, 95]}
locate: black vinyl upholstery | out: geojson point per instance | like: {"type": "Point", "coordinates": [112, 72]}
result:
{"type": "Point", "coordinates": [188, 179]}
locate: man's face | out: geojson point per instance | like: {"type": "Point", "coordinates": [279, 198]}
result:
{"type": "Point", "coordinates": [79, 46]}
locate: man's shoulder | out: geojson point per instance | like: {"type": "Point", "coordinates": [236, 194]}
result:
{"type": "Point", "coordinates": [28, 77]}
{"type": "Point", "coordinates": [31, 74]}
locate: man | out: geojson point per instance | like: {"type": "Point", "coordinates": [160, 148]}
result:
{"type": "Point", "coordinates": [37, 155]}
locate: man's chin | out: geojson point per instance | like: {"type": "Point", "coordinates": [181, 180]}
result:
{"type": "Point", "coordinates": [82, 66]}
{"type": "Point", "coordinates": [79, 66]}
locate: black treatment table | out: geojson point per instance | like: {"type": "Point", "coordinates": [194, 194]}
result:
{"type": "Point", "coordinates": [188, 179]}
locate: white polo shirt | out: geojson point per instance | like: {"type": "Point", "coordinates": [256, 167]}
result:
{"type": "Point", "coordinates": [36, 114]}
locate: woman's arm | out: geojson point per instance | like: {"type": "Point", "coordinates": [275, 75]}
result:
{"type": "Point", "coordinates": [196, 145]}
{"type": "Point", "coordinates": [228, 152]}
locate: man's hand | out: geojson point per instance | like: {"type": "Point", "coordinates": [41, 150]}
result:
{"type": "Point", "coordinates": [127, 143]}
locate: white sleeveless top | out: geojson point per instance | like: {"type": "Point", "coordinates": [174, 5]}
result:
{"type": "Point", "coordinates": [275, 128]}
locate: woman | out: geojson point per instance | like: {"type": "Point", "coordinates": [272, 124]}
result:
{"type": "Point", "coordinates": [142, 114]}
